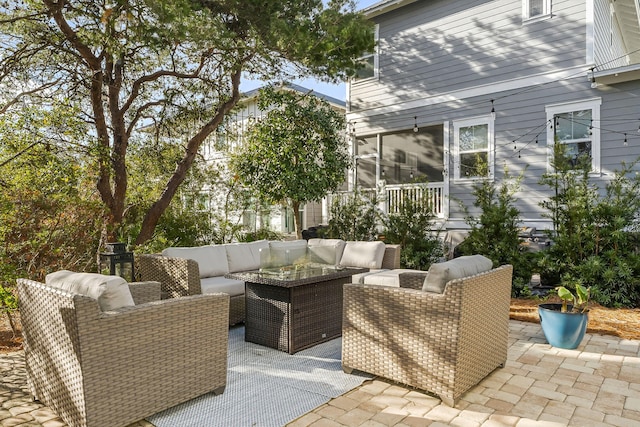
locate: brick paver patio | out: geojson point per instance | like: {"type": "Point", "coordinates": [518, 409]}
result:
{"type": "Point", "coordinates": [597, 384]}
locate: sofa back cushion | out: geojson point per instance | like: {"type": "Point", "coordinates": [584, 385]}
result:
{"type": "Point", "coordinates": [245, 256]}
{"type": "Point", "coordinates": [363, 254]}
{"type": "Point", "coordinates": [211, 259]}
{"type": "Point", "coordinates": [326, 251]}
{"type": "Point", "coordinates": [111, 292]}
{"type": "Point", "coordinates": [442, 272]}
{"type": "Point", "coordinates": [287, 252]}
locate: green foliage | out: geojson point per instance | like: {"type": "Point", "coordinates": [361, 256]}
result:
{"type": "Point", "coordinates": [413, 228]}
{"type": "Point", "coordinates": [261, 234]}
{"type": "Point", "coordinates": [171, 68]}
{"type": "Point", "coordinates": [579, 300]}
{"type": "Point", "coordinates": [353, 218]}
{"type": "Point", "coordinates": [494, 233]}
{"type": "Point", "coordinates": [296, 153]}
{"type": "Point", "coordinates": [595, 238]}
{"type": "Point", "coordinates": [8, 305]}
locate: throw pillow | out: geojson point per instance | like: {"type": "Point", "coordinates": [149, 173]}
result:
{"type": "Point", "coordinates": [441, 273]}
{"type": "Point", "coordinates": [111, 292]}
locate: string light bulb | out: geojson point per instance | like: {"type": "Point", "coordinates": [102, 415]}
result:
{"type": "Point", "coordinates": [411, 174]}
{"type": "Point", "coordinates": [625, 140]}
{"type": "Point", "coordinates": [594, 84]}
{"type": "Point", "coordinates": [493, 111]}
{"type": "Point", "coordinates": [415, 124]}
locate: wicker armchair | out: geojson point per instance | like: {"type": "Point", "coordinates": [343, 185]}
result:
{"type": "Point", "coordinates": [114, 368]}
{"type": "Point", "coordinates": [442, 343]}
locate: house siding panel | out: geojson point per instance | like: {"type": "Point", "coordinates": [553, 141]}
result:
{"type": "Point", "coordinates": [441, 61]}
{"type": "Point", "coordinates": [452, 45]}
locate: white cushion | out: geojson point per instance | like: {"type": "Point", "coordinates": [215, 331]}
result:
{"type": "Point", "coordinates": [111, 292]}
{"type": "Point", "coordinates": [387, 277]}
{"type": "Point", "coordinates": [212, 285]}
{"type": "Point", "coordinates": [256, 248]}
{"type": "Point", "coordinates": [442, 272]}
{"type": "Point", "coordinates": [326, 251]}
{"type": "Point", "coordinates": [359, 278]}
{"type": "Point", "coordinates": [240, 258]}
{"type": "Point", "coordinates": [288, 252]}
{"type": "Point", "coordinates": [211, 259]}
{"type": "Point", "coordinates": [363, 254]}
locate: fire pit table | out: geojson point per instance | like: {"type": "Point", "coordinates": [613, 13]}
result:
{"type": "Point", "coordinates": [292, 308]}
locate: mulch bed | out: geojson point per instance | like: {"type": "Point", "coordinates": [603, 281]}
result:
{"type": "Point", "coordinates": [621, 322]}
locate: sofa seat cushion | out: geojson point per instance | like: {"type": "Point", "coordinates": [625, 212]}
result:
{"type": "Point", "coordinates": [363, 254]}
{"type": "Point", "coordinates": [211, 259]}
{"type": "Point", "coordinates": [111, 292]}
{"type": "Point", "coordinates": [359, 278]}
{"type": "Point", "coordinates": [387, 277]}
{"type": "Point", "coordinates": [442, 272]}
{"type": "Point", "coordinates": [212, 285]}
{"type": "Point", "coordinates": [326, 251]}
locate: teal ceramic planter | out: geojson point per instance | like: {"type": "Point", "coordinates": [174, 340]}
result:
{"type": "Point", "coordinates": [563, 330]}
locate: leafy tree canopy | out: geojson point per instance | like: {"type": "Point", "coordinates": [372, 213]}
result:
{"type": "Point", "coordinates": [296, 153]}
{"type": "Point", "coordinates": [132, 67]}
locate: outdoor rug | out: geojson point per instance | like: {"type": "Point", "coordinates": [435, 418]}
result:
{"type": "Point", "coordinates": [266, 387]}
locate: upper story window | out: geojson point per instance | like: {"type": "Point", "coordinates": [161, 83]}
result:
{"type": "Point", "coordinates": [369, 61]}
{"type": "Point", "coordinates": [536, 9]}
{"type": "Point", "coordinates": [473, 148]}
{"type": "Point", "coordinates": [576, 126]}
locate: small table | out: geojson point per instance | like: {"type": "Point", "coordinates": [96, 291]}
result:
{"type": "Point", "coordinates": [290, 308]}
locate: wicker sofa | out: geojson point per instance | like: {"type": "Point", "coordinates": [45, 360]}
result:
{"type": "Point", "coordinates": [98, 368]}
{"type": "Point", "coordinates": [444, 343]}
{"type": "Point", "coordinates": [192, 271]}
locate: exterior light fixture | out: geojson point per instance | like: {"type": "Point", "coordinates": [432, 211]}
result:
{"type": "Point", "coordinates": [415, 124]}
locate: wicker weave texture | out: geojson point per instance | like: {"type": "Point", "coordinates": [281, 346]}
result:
{"type": "Point", "coordinates": [295, 317]}
{"type": "Point", "coordinates": [442, 343]}
{"type": "Point", "coordinates": [102, 369]}
{"type": "Point", "coordinates": [391, 259]}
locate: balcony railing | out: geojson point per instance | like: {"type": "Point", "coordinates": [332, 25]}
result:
{"type": "Point", "coordinates": [391, 198]}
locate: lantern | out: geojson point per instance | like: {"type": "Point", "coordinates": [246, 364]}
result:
{"type": "Point", "coordinates": [117, 261]}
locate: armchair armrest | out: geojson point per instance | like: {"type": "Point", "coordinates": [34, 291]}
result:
{"type": "Point", "coordinates": [143, 292]}
{"type": "Point", "coordinates": [178, 277]}
{"type": "Point", "coordinates": [391, 259]}
{"type": "Point", "coordinates": [413, 280]}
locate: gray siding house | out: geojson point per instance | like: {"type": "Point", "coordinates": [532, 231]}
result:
{"type": "Point", "coordinates": [457, 90]}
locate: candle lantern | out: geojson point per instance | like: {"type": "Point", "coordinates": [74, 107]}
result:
{"type": "Point", "coordinates": [117, 261]}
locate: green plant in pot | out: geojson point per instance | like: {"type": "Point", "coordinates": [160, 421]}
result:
{"type": "Point", "coordinates": [564, 324]}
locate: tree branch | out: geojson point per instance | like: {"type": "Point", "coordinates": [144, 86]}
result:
{"type": "Point", "coordinates": [16, 99]}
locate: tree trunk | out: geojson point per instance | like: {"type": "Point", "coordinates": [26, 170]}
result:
{"type": "Point", "coordinates": [295, 205]}
{"type": "Point", "coordinates": [156, 210]}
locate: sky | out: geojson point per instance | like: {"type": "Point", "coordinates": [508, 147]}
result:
{"type": "Point", "coordinates": [337, 91]}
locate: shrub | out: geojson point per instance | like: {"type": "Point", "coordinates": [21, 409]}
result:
{"type": "Point", "coordinates": [494, 233]}
{"type": "Point", "coordinates": [594, 231]}
{"type": "Point", "coordinates": [413, 228]}
{"type": "Point", "coordinates": [354, 218]}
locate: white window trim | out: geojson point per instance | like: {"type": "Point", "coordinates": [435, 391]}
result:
{"type": "Point", "coordinates": [376, 57]}
{"type": "Point", "coordinates": [546, 12]}
{"type": "Point", "coordinates": [457, 124]}
{"type": "Point", "coordinates": [591, 104]}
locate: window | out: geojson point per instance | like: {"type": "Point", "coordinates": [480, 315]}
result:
{"type": "Point", "coordinates": [473, 148]}
{"type": "Point", "coordinates": [575, 126]}
{"type": "Point", "coordinates": [369, 61]}
{"type": "Point", "coordinates": [536, 9]}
